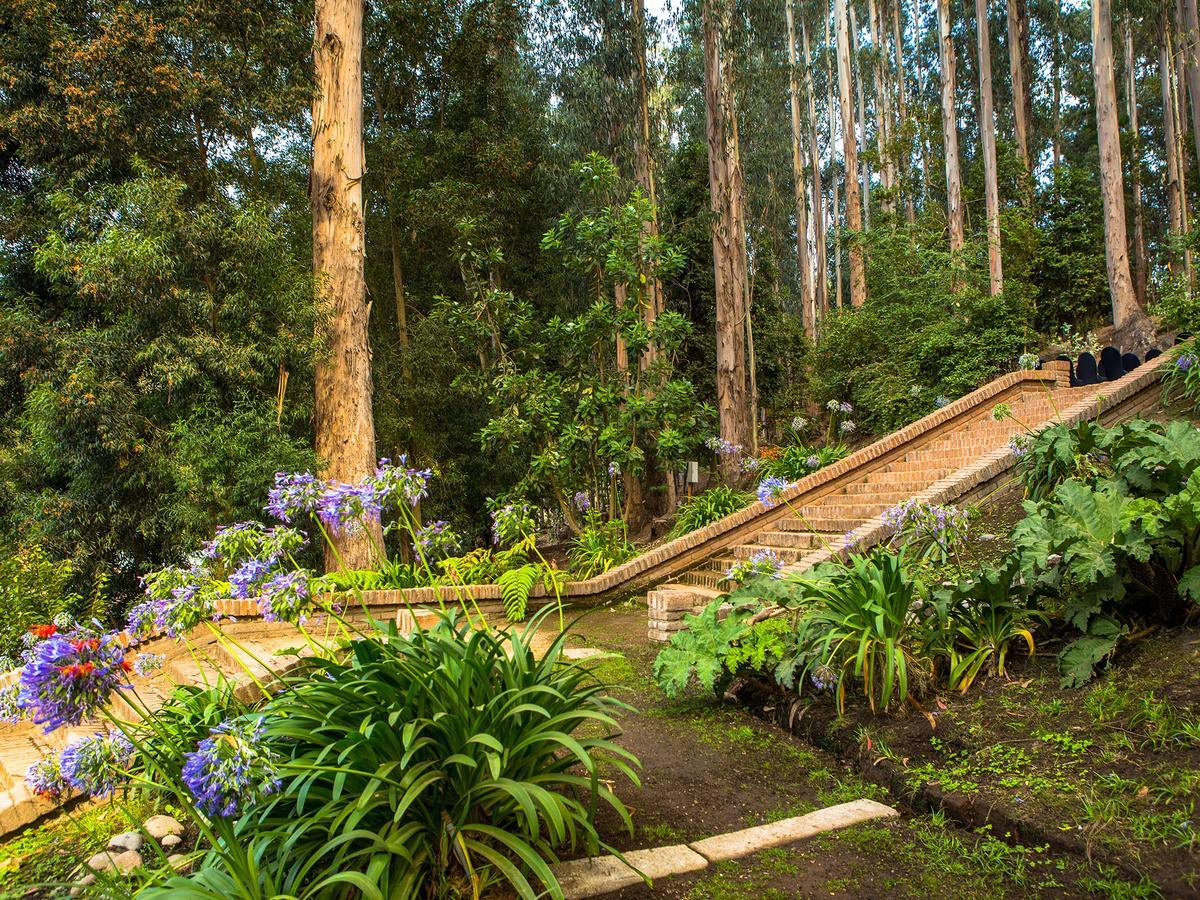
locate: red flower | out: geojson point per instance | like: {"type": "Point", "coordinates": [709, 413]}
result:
{"type": "Point", "coordinates": [41, 632]}
{"type": "Point", "coordinates": [126, 666]}
{"type": "Point", "coordinates": [77, 670]}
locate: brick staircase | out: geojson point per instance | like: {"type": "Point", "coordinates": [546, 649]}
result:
{"type": "Point", "coordinates": [812, 532]}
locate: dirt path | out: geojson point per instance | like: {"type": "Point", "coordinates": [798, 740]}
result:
{"type": "Point", "coordinates": [710, 768]}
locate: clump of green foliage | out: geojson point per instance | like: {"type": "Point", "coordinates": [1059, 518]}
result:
{"type": "Point", "coordinates": [713, 505]}
{"type": "Point", "coordinates": [36, 589]}
{"type": "Point", "coordinates": [599, 547]}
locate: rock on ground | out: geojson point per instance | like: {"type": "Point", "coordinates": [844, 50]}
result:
{"type": "Point", "coordinates": [126, 840]}
{"type": "Point", "coordinates": [158, 827]}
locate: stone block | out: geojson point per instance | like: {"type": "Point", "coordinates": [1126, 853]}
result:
{"type": "Point", "coordinates": [736, 844]}
{"type": "Point", "coordinates": [603, 874]}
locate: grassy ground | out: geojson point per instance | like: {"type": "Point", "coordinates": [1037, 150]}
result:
{"type": "Point", "coordinates": [712, 767]}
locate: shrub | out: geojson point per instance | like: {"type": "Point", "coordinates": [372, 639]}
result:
{"type": "Point", "coordinates": [599, 547]}
{"type": "Point", "coordinates": [416, 762]}
{"type": "Point", "coordinates": [713, 505]}
{"type": "Point", "coordinates": [794, 462]}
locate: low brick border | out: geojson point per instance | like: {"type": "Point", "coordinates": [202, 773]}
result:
{"type": "Point", "coordinates": [582, 878]}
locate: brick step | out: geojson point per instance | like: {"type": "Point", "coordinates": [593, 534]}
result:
{"type": "Point", "coordinates": [788, 555]}
{"type": "Point", "coordinates": [704, 578]}
{"type": "Point", "coordinates": [803, 540]}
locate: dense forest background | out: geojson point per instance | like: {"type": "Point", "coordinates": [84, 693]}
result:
{"type": "Point", "coordinates": [157, 311]}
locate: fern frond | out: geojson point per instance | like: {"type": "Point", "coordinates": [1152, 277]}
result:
{"type": "Point", "coordinates": [515, 586]}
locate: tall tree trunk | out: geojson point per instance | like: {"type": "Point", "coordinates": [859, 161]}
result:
{"type": "Point", "coordinates": [1189, 46]}
{"type": "Point", "coordinates": [832, 107]}
{"type": "Point", "coordinates": [954, 206]}
{"type": "Point", "coordinates": [864, 166]}
{"type": "Point", "coordinates": [883, 110]}
{"type": "Point", "coordinates": [1135, 166]}
{"type": "Point", "coordinates": [652, 300]}
{"type": "Point", "coordinates": [1112, 187]}
{"type": "Point", "coordinates": [854, 221]}
{"type": "Point", "coordinates": [1018, 39]}
{"type": "Point", "coordinates": [728, 238]}
{"type": "Point", "coordinates": [1170, 137]}
{"type": "Point", "coordinates": [821, 282]}
{"type": "Point", "coordinates": [801, 200]}
{"type": "Point", "coordinates": [1178, 105]}
{"type": "Point", "coordinates": [904, 177]}
{"type": "Point", "coordinates": [987, 129]}
{"type": "Point", "coordinates": [344, 423]}
{"type": "Point", "coordinates": [1056, 82]}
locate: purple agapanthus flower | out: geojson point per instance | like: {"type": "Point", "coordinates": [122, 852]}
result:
{"type": "Point", "coordinates": [98, 764]}
{"type": "Point", "coordinates": [285, 598]}
{"type": "Point", "coordinates": [813, 462]}
{"type": "Point", "coordinates": [761, 562]}
{"type": "Point", "coordinates": [230, 768]}
{"type": "Point", "coordinates": [722, 447]}
{"type": "Point", "coordinates": [346, 508]}
{"type": "Point", "coordinates": [823, 678]}
{"type": "Point", "coordinates": [70, 678]}
{"type": "Point", "coordinates": [1185, 362]}
{"type": "Point", "coordinates": [295, 494]}
{"type": "Point", "coordinates": [45, 778]}
{"type": "Point", "coordinates": [146, 663]}
{"type": "Point", "coordinates": [10, 708]}
{"type": "Point", "coordinates": [248, 576]}
{"type": "Point", "coordinates": [395, 482]}
{"type": "Point", "coordinates": [232, 542]}
{"type": "Point", "coordinates": [581, 501]}
{"type": "Point", "coordinates": [613, 470]}
{"type": "Point", "coordinates": [769, 489]}
{"type": "Point", "coordinates": [437, 539]}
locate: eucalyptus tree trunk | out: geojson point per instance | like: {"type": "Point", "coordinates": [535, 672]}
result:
{"type": "Point", "coordinates": [854, 219]}
{"type": "Point", "coordinates": [954, 206]}
{"type": "Point", "coordinates": [831, 106]}
{"type": "Point", "coordinates": [1170, 151]}
{"type": "Point", "coordinates": [652, 296]}
{"type": "Point", "coordinates": [401, 302]}
{"type": "Point", "coordinates": [864, 166]}
{"type": "Point", "coordinates": [1112, 187]}
{"type": "Point", "coordinates": [728, 238]}
{"type": "Point", "coordinates": [1135, 166]}
{"type": "Point", "coordinates": [904, 177]}
{"type": "Point", "coordinates": [1056, 88]}
{"type": "Point", "coordinates": [1189, 47]}
{"type": "Point", "coordinates": [802, 259]}
{"type": "Point", "coordinates": [883, 110]}
{"type": "Point", "coordinates": [1179, 106]}
{"type": "Point", "coordinates": [987, 129]}
{"type": "Point", "coordinates": [821, 282]}
{"type": "Point", "coordinates": [344, 423]}
{"type": "Point", "coordinates": [1018, 42]}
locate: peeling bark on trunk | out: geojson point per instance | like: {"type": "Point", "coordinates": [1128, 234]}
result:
{"type": "Point", "coordinates": [987, 128]}
{"type": "Point", "coordinates": [954, 207]}
{"type": "Point", "coordinates": [831, 107]}
{"type": "Point", "coordinates": [1018, 40]}
{"type": "Point", "coordinates": [1112, 186]}
{"type": "Point", "coordinates": [728, 238]}
{"type": "Point", "coordinates": [864, 167]}
{"type": "Point", "coordinates": [904, 178]}
{"type": "Point", "coordinates": [821, 282]}
{"type": "Point", "coordinates": [401, 304]}
{"type": "Point", "coordinates": [345, 428]}
{"type": "Point", "coordinates": [854, 220]}
{"type": "Point", "coordinates": [883, 111]}
{"type": "Point", "coordinates": [1056, 82]}
{"type": "Point", "coordinates": [801, 200]}
{"type": "Point", "coordinates": [1191, 60]}
{"type": "Point", "coordinates": [1135, 167]}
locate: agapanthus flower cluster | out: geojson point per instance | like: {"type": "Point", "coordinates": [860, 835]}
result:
{"type": "Point", "coordinates": [581, 501]}
{"type": "Point", "coordinates": [769, 489]}
{"type": "Point", "coordinates": [846, 426]}
{"type": "Point", "coordinates": [230, 768]}
{"type": "Point", "coordinates": [833, 406]}
{"type": "Point", "coordinates": [945, 526]}
{"type": "Point", "coordinates": [177, 601]}
{"type": "Point", "coordinates": [914, 391]}
{"type": "Point", "coordinates": [437, 539]}
{"type": "Point", "coordinates": [845, 408]}
{"type": "Point", "coordinates": [799, 423]}
{"type": "Point", "coordinates": [346, 508]}
{"type": "Point", "coordinates": [45, 778]}
{"type": "Point", "coordinates": [722, 447]}
{"type": "Point", "coordinates": [98, 764]}
{"type": "Point", "coordinates": [394, 482]}
{"type": "Point", "coordinates": [64, 621]}
{"type": "Point", "coordinates": [1185, 361]}
{"type": "Point", "coordinates": [295, 495]}
{"type": "Point", "coordinates": [70, 677]}
{"type": "Point", "coordinates": [1001, 411]}
{"type": "Point", "coordinates": [245, 581]}
{"type": "Point", "coordinates": [1028, 361]}
{"type": "Point", "coordinates": [285, 598]}
{"type": "Point", "coordinates": [941, 400]}
{"type": "Point", "coordinates": [512, 523]}
{"type": "Point", "coordinates": [813, 462]}
{"type": "Point", "coordinates": [11, 711]}
{"type": "Point", "coordinates": [823, 678]}
{"type": "Point", "coordinates": [1019, 444]}
{"type": "Point", "coordinates": [613, 470]}
{"type": "Point", "coordinates": [234, 542]}
{"type": "Point", "coordinates": [749, 464]}
{"type": "Point", "coordinates": [146, 663]}
{"type": "Point", "coordinates": [761, 562]}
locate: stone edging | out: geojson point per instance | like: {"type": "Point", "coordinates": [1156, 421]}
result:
{"type": "Point", "coordinates": [604, 874]}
